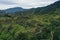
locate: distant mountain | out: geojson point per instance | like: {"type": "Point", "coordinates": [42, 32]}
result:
{"type": "Point", "coordinates": [43, 10]}
{"type": "Point", "coordinates": [13, 10]}
{"type": "Point", "coordinates": [40, 10]}
{"type": "Point", "coordinates": [42, 23]}
{"type": "Point", "coordinates": [48, 9]}
{"type": "Point", "coordinates": [51, 8]}
{"type": "Point", "coordinates": [1, 13]}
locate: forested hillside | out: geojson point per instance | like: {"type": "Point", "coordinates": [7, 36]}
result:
{"type": "Point", "coordinates": [33, 24]}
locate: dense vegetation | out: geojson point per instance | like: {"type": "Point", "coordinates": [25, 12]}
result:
{"type": "Point", "coordinates": [31, 26]}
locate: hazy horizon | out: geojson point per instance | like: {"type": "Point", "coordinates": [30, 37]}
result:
{"type": "Point", "coordinates": [5, 4]}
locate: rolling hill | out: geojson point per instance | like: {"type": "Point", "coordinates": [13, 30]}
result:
{"type": "Point", "coordinates": [42, 23]}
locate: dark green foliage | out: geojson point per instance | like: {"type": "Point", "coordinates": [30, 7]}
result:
{"type": "Point", "coordinates": [32, 25]}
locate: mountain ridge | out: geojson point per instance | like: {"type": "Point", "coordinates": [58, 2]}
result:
{"type": "Point", "coordinates": [13, 10]}
{"type": "Point", "coordinates": [39, 10]}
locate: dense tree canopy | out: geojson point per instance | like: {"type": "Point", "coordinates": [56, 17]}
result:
{"type": "Point", "coordinates": [39, 24]}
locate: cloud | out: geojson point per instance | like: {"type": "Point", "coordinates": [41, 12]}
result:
{"type": "Point", "coordinates": [2, 7]}
{"type": "Point", "coordinates": [6, 2]}
{"type": "Point", "coordinates": [34, 3]}
{"type": "Point", "coordinates": [24, 3]}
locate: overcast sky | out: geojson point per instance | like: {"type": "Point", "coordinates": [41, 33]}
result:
{"type": "Point", "coordinates": [4, 4]}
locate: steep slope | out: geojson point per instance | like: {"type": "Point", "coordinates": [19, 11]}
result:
{"type": "Point", "coordinates": [29, 26]}
{"type": "Point", "coordinates": [50, 8]}
{"type": "Point", "coordinates": [44, 10]}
